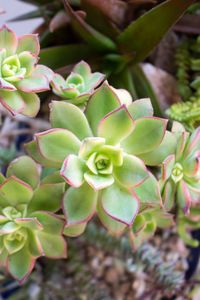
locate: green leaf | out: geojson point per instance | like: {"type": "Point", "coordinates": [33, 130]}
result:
{"type": "Point", "coordinates": [74, 230]}
{"type": "Point", "coordinates": [33, 151]}
{"type": "Point", "coordinates": [53, 246]}
{"type": "Point", "coordinates": [103, 101]}
{"type": "Point", "coordinates": [132, 172]}
{"type": "Point", "coordinates": [12, 101]}
{"type": "Point", "coordinates": [150, 28]}
{"type": "Point", "coordinates": [147, 135]}
{"type": "Point", "coordinates": [15, 192]}
{"type": "Point", "coordinates": [168, 195]}
{"type": "Point", "coordinates": [34, 244]}
{"type": "Point", "coordinates": [20, 264]}
{"type": "Point", "coordinates": [116, 126]}
{"type": "Point", "coordinates": [68, 116]}
{"type": "Point", "coordinates": [47, 197]}
{"type": "Point", "coordinates": [8, 40]}
{"type": "Point", "coordinates": [32, 104]}
{"type": "Point", "coordinates": [29, 42]}
{"type": "Point", "coordinates": [114, 227]}
{"type": "Point", "coordinates": [158, 155]}
{"type": "Point", "coordinates": [25, 169]}
{"type": "Point", "coordinates": [120, 204]}
{"type": "Point", "coordinates": [98, 182]}
{"type": "Point", "coordinates": [79, 204]}
{"type": "Point", "coordinates": [149, 191]}
{"type": "Point", "coordinates": [184, 198]}
{"type": "Point", "coordinates": [51, 223]}
{"type": "Point", "coordinates": [73, 170]}
{"type": "Point", "coordinates": [141, 108]}
{"type": "Point", "coordinates": [56, 144]}
{"type": "Point", "coordinates": [59, 56]}
{"type": "Point", "coordinates": [93, 37]}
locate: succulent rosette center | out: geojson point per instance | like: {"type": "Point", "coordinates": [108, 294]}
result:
{"type": "Point", "coordinates": [177, 172]}
{"type": "Point", "coordinates": [12, 69]}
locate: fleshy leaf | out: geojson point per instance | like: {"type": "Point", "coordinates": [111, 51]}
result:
{"type": "Point", "coordinates": [158, 155]}
{"type": "Point", "coordinates": [51, 223]}
{"type": "Point", "coordinates": [32, 104]}
{"type": "Point", "coordinates": [68, 116]}
{"type": "Point", "coordinates": [25, 169]}
{"type": "Point", "coordinates": [168, 195]}
{"type": "Point", "coordinates": [147, 135]}
{"type": "Point", "coordinates": [103, 101]}
{"type": "Point", "coordinates": [98, 182]}
{"type": "Point", "coordinates": [56, 144]}
{"type": "Point", "coordinates": [72, 171]}
{"type": "Point", "coordinates": [8, 40]}
{"type": "Point", "coordinates": [141, 108]}
{"type": "Point", "coordinates": [79, 204]}
{"type": "Point", "coordinates": [132, 172]}
{"type": "Point", "coordinates": [27, 61]}
{"type": "Point", "coordinates": [20, 264]}
{"type": "Point", "coordinates": [12, 101]}
{"type": "Point", "coordinates": [6, 86]}
{"type": "Point", "coordinates": [167, 166]}
{"type": "Point", "coordinates": [74, 230]}
{"type": "Point", "coordinates": [120, 204]}
{"type": "Point", "coordinates": [114, 227]}
{"type": "Point", "coordinates": [29, 42]}
{"type": "Point", "coordinates": [47, 197]}
{"type": "Point", "coordinates": [33, 84]}
{"type": "Point", "coordinates": [184, 197]}
{"type": "Point", "coordinates": [149, 192]}
{"type": "Point", "coordinates": [116, 126]}
{"type": "Point", "coordinates": [53, 246]}
{"type": "Point", "coordinates": [15, 192]}
{"type": "Point", "coordinates": [90, 145]}
{"type": "Point", "coordinates": [32, 150]}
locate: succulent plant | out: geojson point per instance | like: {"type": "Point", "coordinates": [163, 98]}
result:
{"type": "Point", "coordinates": [146, 223]}
{"type": "Point", "coordinates": [180, 171]}
{"type": "Point", "coordinates": [98, 154]}
{"type": "Point", "coordinates": [20, 77]}
{"type": "Point", "coordinates": [79, 85]}
{"type": "Point", "coordinates": [29, 227]}
{"type": "Point", "coordinates": [187, 60]}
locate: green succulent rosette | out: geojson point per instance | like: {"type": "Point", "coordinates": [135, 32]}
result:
{"type": "Point", "coordinates": [79, 85]}
{"type": "Point", "coordinates": [98, 154]}
{"type": "Point", "coordinates": [20, 75]}
{"type": "Point", "coordinates": [180, 181]}
{"type": "Point", "coordinates": [29, 227]}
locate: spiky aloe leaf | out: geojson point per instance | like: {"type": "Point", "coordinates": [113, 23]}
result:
{"type": "Point", "coordinates": [149, 29]}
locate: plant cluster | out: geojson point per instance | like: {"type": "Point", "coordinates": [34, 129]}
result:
{"type": "Point", "coordinates": [104, 155]}
{"type": "Point", "coordinates": [188, 66]}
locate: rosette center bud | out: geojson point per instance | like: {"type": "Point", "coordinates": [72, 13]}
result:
{"type": "Point", "coordinates": [11, 69]}
{"type": "Point", "coordinates": [11, 213]}
{"type": "Point", "coordinates": [177, 172]}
